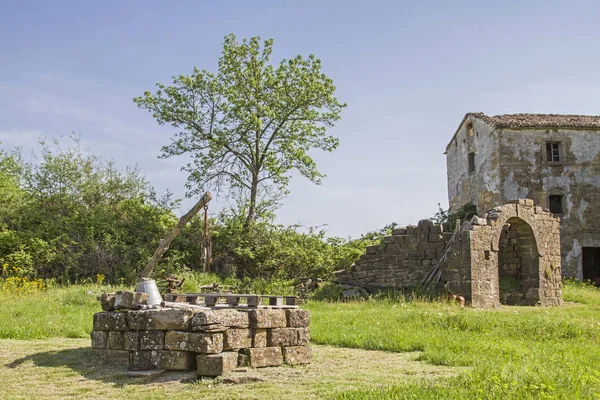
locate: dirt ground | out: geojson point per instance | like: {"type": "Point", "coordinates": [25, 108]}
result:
{"type": "Point", "coordinates": [68, 368]}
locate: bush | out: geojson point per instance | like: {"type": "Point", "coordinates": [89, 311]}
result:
{"type": "Point", "coordinates": [78, 216]}
{"type": "Point", "coordinates": [72, 216]}
{"type": "Point", "coordinates": [448, 219]}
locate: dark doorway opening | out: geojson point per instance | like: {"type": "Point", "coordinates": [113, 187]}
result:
{"type": "Point", "coordinates": [518, 264]}
{"type": "Point", "coordinates": [591, 264]}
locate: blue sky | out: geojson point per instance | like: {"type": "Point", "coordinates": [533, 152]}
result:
{"type": "Point", "coordinates": [409, 71]}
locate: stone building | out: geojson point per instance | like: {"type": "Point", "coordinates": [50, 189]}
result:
{"type": "Point", "coordinates": [552, 159]}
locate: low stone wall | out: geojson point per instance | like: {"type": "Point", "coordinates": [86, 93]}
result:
{"type": "Point", "coordinates": [212, 340]}
{"type": "Point", "coordinates": [401, 261]}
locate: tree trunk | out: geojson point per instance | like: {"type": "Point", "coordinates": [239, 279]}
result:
{"type": "Point", "coordinates": [252, 206]}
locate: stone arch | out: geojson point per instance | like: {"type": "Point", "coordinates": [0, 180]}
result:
{"type": "Point", "coordinates": [518, 264]}
{"type": "Point", "coordinates": [540, 232]}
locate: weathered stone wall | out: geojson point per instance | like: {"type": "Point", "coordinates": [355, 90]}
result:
{"type": "Point", "coordinates": [511, 256]}
{"type": "Point", "coordinates": [509, 259]}
{"type": "Point", "coordinates": [511, 164]}
{"type": "Point", "coordinates": [402, 260]}
{"type": "Point", "coordinates": [526, 173]}
{"type": "Point", "coordinates": [213, 341]}
{"type": "Point", "coordinates": [481, 187]}
{"type": "Point", "coordinates": [473, 266]}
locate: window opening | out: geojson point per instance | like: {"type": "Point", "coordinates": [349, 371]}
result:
{"type": "Point", "coordinates": [555, 203]}
{"type": "Point", "coordinates": [553, 151]}
{"type": "Point", "coordinates": [471, 160]}
{"type": "Point", "coordinates": [470, 129]}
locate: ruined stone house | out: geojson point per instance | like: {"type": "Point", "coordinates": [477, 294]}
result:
{"type": "Point", "coordinates": [552, 159]}
{"type": "Point", "coordinates": [510, 256]}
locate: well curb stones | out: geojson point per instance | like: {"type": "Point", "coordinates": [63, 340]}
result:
{"type": "Point", "coordinates": [211, 341]}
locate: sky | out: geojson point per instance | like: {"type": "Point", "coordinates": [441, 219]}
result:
{"type": "Point", "coordinates": [408, 71]}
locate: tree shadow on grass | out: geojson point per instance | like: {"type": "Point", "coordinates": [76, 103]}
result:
{"type": "Point", "coordinates": [93, 364]}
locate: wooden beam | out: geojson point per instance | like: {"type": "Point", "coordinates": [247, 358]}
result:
{"type": "Point", "coordinates": [166, 242]}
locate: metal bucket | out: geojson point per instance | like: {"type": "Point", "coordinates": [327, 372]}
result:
{"type": "Point", "coordinates": [149, 286]}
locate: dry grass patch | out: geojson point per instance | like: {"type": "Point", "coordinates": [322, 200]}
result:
{"type": "Point", "coordinates": [67, 368]}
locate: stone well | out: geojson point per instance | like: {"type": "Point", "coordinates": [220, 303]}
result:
{"type": "Point", "coordinates": [211, 340]}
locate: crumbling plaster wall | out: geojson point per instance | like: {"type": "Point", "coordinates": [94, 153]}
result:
{"type": "Point", "coordinates": [481, 187]}
{"type": "Point", "coordinates": [525, 173]}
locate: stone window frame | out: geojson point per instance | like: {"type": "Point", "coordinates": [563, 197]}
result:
{"type": "Point", "coordinates": [560, 149]}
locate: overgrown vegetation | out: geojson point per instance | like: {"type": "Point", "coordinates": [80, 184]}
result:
{"type": "Point", "coordinates": [448, 219]}
{"type": "Point", "coordinates": [70, 216]}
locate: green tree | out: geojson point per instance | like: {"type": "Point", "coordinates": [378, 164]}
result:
{"type": "Point", "coordinates": [248, 126]}
{"type": "Point", "coordinates": [11, 193]}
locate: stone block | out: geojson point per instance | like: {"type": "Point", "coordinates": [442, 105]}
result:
{"type": "Point", "coordinates": [297, 355]}
{"type": "Point", "coordinates": [225, 318]}
{"type": "Point", "coordinates": [237, 338]}
{"type": "Point", "coordinates": [265, 357]}
{"type": "Point", "coordinates": [101, 321]}
{"type": "Point", "coordinates": [205, 343]}
{"type": "Point", "coordinates": [160, 320]}
{"type": "Point", "coordinates": [388, 239]}
{"type": "Point", "coordinates": [131, 340]}
{"type": "Point", "coordinates": [127, 300]}
{"type": "Point", "coordinates": [285, 337]}
{"type": "Point", "coordinates": [176, 360]}
{"type": "Point", "coordinates": [372, 249]}
{"type": "Point", "coordinates": [117, 356]}
{"type": "Point", "coordinates": [436, 229]}
{"type": "Point", "coordinates": [117, 321]}
{"type": "Point", "coordinates": [147, 376]}
{"type": "Point", "coordinates": [297, 318]}
{"type": "Point", "coordinates": [399, 231]}
{"type": "Point", "coordinates": [267, 318]}
{"type": "Point", "coordinates": [539, 210]}
{"type": "Point", "coordinates": [259, 337]}
{"type": "Point", "coordinates": [303, 336]}
{"type": "Point", "coordinates": [141, 361]}
{"type": "Point", "coordinates": [152, 340]}
{"type": "Point", "coordinates": [416, 255]}
{"type": "Point", "coordinates": [107, 301]}
{"type": "Point", "coordinates": [110, 321]}
{"type": "Point", "coordinates": [162, 359]}
{"type": "Point", "coordinates": [281, 337]}
{"type": "Point", "coordinates": [116, 340]}
{"type": "Point", "coordinates": [435, 237]}
{"type": "Point", "coordinates": [216, 364]}
{"type": "Point", "coordinates": [99, 339]}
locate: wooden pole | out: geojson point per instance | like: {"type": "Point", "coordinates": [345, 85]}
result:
{"type": "Point", "coordinates": [166, 242]}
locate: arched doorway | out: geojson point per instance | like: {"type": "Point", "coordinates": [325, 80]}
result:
{"type": "Point", "coordinates": [518, 264]}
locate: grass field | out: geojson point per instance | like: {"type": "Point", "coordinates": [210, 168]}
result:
{"type": "Point", "coordinates": [510, 353]}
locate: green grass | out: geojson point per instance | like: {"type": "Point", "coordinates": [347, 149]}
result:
{"type": "Point", "coordinates": [510, 353]}
{"type": "Point", "coordinates": [56, 312]}
{"type": "Point", "coordinates": [514, 352]}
